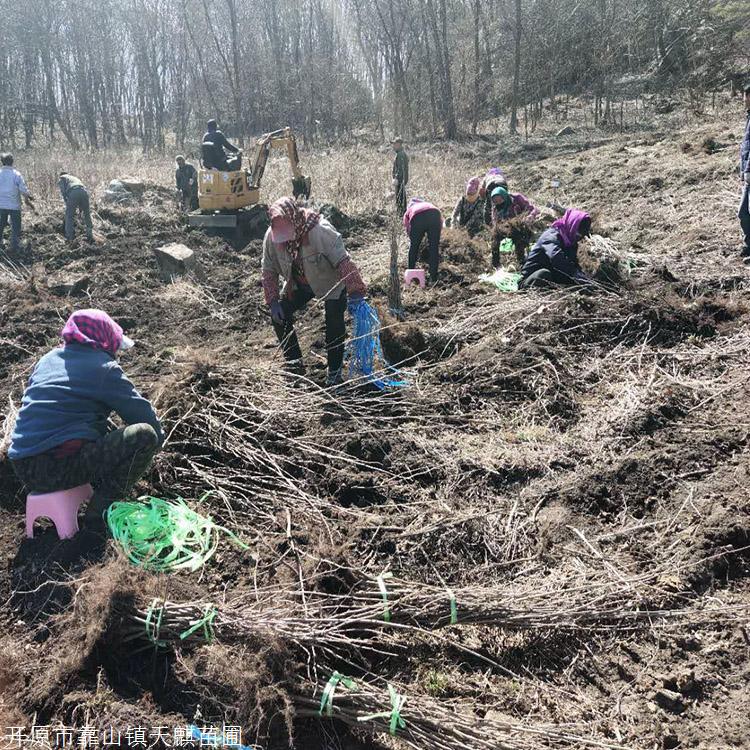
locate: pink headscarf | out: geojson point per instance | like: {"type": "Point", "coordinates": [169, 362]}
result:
{"type": "Point", "coordinates": [472, 186]}
{"type": "Point", "coordinates": [569, 225]}
{"type": "Point", "coordinates": [96, 329]}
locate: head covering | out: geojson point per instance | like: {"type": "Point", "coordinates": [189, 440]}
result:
{"type": "Point", "coordinates": [303, 220]}
{"type": "Point", "coordinates": [472, 186]}
{"type": "Point", "coordinates": [179, 158]}
{"type": "Point", "coordinates": [211, 125]}
{"type": "Point", "coordinates": [569, 225]}
{"type": "Point", "coordinates": [96, 329]}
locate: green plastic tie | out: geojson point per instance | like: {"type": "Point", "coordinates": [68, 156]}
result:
{"type": "Point", "coordinates": [507, 246]}
{"type": "Point", "coordinates": [326, 701]}
{"type": "Point", "coordinates": [153, 627]}
{"type": "Point", "coordinates": [454, 607]}
{"type": "Point", "coordinates": [396, 721]}
{"type": "Point", "coordinates": [165, 536]}
{"type": "Point", "coordinates": [384, 592]}
{"type": "Point", "coordinates": [206, 622]}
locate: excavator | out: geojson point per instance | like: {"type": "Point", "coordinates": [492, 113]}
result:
{"type": "Point", "coordinates": [229, 201]}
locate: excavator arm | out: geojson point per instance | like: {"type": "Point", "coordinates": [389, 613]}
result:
{"type": "Point", "coordinates": [284, 138]}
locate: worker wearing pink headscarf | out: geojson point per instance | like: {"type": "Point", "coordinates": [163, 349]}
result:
{"type": "Point", "coordinates": [469, 211]}
{"type": "Point", "coordinates": [554, 258]}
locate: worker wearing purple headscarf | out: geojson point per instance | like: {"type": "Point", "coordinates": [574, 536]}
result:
{"type": "Point", "coordinates": [554, 257]}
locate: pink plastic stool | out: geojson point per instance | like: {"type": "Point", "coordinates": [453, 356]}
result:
{"type": "Point", "coordinates": [60, 507]}
{"type": "Point", "coordinates": [414, 274]}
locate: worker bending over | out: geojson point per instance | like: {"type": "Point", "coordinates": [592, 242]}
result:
{"type": "Point", "coordinates": [61, 438]}
{"type": "Point", "coordinates": [423, 219]}
{"type": "Point", "coordinates": [469, 211]}
{"type": "Point", "coordinates": [214, 150]}
{"type": "Point", "coordinates": [309, 255]}
{"type": "Point", "coordinates": [186, 179]}
{"type": "Point", "coordinates": [76, 199]}
{"type": "Point", "coordinates": [554, 258]}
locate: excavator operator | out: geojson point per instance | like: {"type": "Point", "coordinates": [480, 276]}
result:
{"type": "Point", "coordinates": [214, 150]}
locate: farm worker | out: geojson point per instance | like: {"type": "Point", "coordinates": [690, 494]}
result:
{"type": "Point", "coordinates": [309, 255]}
{"type": "Point", "coordinates": [506, 205]}
{"type": "Point", "coordinates": [186, 179]}
{"type": "Point", "coordinates": [76, 198]}
{"type": "Point", "coordinates": [214, 148]}
{"type": "Point", "coordinates": [61, 438]}
{"type": "Point", "coordinates": [494, 177]}
{"type": "Point", "coordinates": [400, 174]}
{"type": "Point", "coordinates": [469, 210]}
{"type": "Point", "coordinates": [12, 189]}
{"type": "Point", "coordinates": [554, 257]}
{"type": "Point", "coordinates": [422, 218]}
{"type": "Point", "coordinates": [744, 212]}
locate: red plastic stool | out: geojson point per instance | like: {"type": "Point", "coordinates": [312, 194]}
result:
{"type": "Point", "coordinates": [60, 507]}
{"type": "Point", "coordinates": [414, 274]}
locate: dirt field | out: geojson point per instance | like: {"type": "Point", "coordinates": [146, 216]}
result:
{"type": "Point", "coordinates": [570, 469]}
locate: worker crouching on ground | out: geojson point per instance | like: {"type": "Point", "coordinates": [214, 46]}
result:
{"type": "Point", "coordinates": [469, 211]}
{"type": "Point", "coordinates": [422, 218]}
{"type": "Point", "coordinates": [505, 206]}
{"type": "Point", "coordinates": [61, 439]}
{"type": "Point", "coordinates": [306, 251]}
{"type": "Point", "coordinates": [186, 179]}
{"type": "Point", "coordinates": [494, 178]}
{"type": "Point", "coordinates": [76, 199]}
{"type": "Point", "coordinates": [554, 258]}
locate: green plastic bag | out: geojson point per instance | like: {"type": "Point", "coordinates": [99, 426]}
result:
{"type": "Point", "coordinates": [505, 281]}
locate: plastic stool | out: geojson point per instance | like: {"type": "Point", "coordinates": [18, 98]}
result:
{"type": "Point", "coordinates": [60, 507]}
{"type": "Point", "coordinates": [414, 274]}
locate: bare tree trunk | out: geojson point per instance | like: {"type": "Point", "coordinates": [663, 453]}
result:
{"type": "Point", "coordinates": [516, 71]}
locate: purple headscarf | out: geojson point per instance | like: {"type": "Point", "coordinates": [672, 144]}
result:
{"type": "Point", "coordinates": [96, 329]}
{"type": "Point", "coordinates": [472, 186]}
{"type": "Point", "coordinates": [569, 225]}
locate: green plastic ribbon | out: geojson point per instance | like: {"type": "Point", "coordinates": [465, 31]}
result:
{"type": "Point", "coordinates": [165, 536]}
{"type": "Point", "coordinates": [206, 622]}
{"type": "Point", "coordinates": [454, 607]}
{"type": "Point", "coordinates": [396, 721]}
{"type": "Point", "coordinates": [504, 281]}
{"type": "Point", "coordinates": [153, 627]}
{"type": "Point", "coordinates": [326, 701]}
{"type": "Point", "coordinates": [384, 592]}
{"type": "Point", "coordinates": [507, 246]}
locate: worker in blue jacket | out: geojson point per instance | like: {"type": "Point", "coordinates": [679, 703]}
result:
{"type": "Point", "coordinates": [554, 258]}
{"type": "Point", "coordinates": [61, 438]}
{"type": "Point", "coordinates": [744, 212]}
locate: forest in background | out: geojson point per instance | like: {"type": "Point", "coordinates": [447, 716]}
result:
{"type": "Point", "coordinates": [111, 73]}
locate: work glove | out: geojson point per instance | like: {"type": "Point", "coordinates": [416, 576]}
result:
{"type": "Point", "coordinates": [277, 312]}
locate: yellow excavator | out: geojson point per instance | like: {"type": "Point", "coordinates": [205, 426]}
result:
{"type": "Point", "coordinates": [229, 200]}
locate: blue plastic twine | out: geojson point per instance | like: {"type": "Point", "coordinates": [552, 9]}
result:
{"type": "Point", "coordinates": [364, 350]}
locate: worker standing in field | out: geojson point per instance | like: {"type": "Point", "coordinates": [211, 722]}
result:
{"type": "Point", "coordinates": [214, 150]}
{"type": "Point", "coordinates": [553, 260]}
{"type": "Point", "coordinates": [307, 253]}
{"type": "Point", "coordinates": [61, 438]}
{"type": "Point", "coordinates": [186, 179]}
{"type": "Point", "coordinates": [469, 211]}
{"type": "Point", "coordinates": [744, 212]}
{"type": "Point", "coordinates": [422, 219]}
{"type": "Point", "coordinates": [76, 199]}
{"type": "Point", "coordinates": [400, 174]}
{"type": "Point", "coordinates": [12, 189]}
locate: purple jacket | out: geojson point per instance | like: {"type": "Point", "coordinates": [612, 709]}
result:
{"type": "Point", "coordinates": [520, 204]}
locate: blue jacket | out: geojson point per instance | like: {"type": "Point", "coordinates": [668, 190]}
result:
{"type": "Point", "coordinates": [745, 148]}
{"type": "Point", "coordinates": [549, 253]}
{"type": "Point", "coordinates": [70, 395]}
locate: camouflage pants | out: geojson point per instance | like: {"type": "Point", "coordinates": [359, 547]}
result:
{"type": "Point", "coordinates": [112, 465]}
